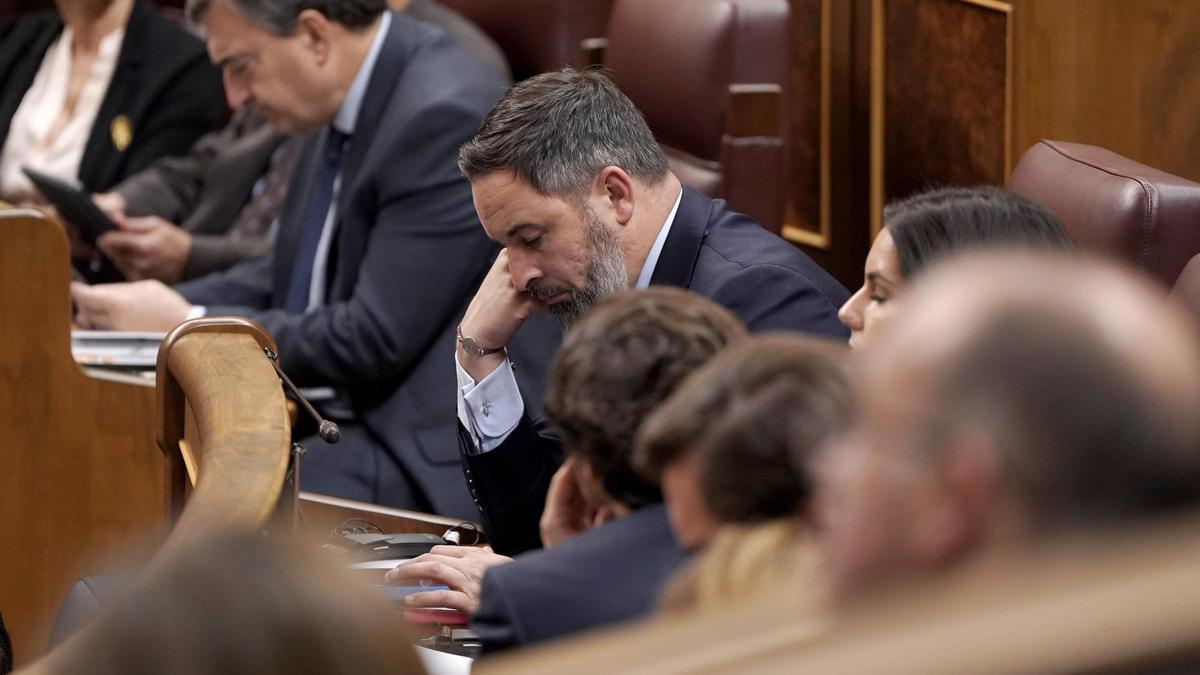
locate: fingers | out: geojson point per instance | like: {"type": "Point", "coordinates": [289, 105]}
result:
{"type": "Point", "coordinates": [91, 306]}
{"type": "Point", "coordinates": [431, 569]}
{"type": "Point", "coordinates": [456, 551]}
{"type": "Point", "coordinates": [144, 224]}
{"type": "Point", "coordinates": [111, 203]}
{"type": "Point", "coordinates": [119, 242]}
{"type": "Point", "coordinates": [452, 599]}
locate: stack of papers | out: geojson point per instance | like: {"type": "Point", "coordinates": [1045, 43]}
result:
{"type": "Point", "coordinates": [117, 349]}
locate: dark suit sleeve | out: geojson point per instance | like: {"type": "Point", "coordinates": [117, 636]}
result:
{"type": "Point", "coordinates": [170, 187]}
{"type": "Point", "coordinates": [773, 297]}
{"type": "Point", "coordinates": [510, 483]}
{"type": "Point", "coordinates": [240, 290]}
{"type": "Point", "coordinates": [411, 281]}
{"type": "Point", "coordinates": [495, 620]}
{"type": "Point", "coordinates": [215, 252]}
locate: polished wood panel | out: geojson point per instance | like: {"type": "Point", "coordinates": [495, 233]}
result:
{"type": "Point", "coordinates": [935, 92]}
{"type": "Point", "coordinates": [946, 89]}
{"type": "Point", "coordinates": [80, 475]}
{"type": "Point", "coordinates": [807, 105]}
{"type": "Point", "coordinates": [827, 155]}
{"type": "Point", "coordinates": [1120, 74]}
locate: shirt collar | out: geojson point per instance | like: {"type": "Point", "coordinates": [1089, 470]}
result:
{"type": "Point", "coordinates": [347, 114]}
{"type": "Point", "coordinates": [643, 280]}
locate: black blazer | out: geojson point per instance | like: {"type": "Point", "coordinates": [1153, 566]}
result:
{"type": "Point", "coordinates": [163, 85]}
{"type": "Point", "coordinates": [610, 574]}
{"type": "Point", "coordinates": [713, 251]}
{"type": "Point", "coordinates": [407, 255]}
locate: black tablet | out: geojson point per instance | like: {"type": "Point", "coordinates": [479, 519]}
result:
{"type": "Point", "coordinates": [74, 204]}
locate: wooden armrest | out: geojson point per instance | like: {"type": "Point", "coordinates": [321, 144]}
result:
{"type": "Point", "coordinates": [593, 51]}
{"type": "Point", "coordinates": [242, 426]}
{"type": "Point", "coordinates": [754, 110]}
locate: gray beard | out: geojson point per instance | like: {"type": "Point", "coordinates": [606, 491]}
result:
{"type": "Point", "coordinates": [606, 274]}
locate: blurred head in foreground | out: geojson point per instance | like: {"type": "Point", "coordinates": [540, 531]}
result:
{"type": "Point", "coordinates": [732, 444]}
{"type": "Point", "coordinates": [1020, 397]}
{"type": "Point", "coordinates": [933, 225]}
{"type": "Point", "coordinates": [243, 605]}
{"type": "Point", "coordinates": [617, 365]}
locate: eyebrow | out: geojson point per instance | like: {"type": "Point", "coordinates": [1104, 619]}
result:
{"type": "Point", "coordinates": [516, 229]}
{"type": "Point", "coordinates": [230, 59]}
{"type": "Point", "coordinates": [878, 276]}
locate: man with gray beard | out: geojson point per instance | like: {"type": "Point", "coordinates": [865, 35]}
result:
{"type": "Point", "coordinates": [568, 178]}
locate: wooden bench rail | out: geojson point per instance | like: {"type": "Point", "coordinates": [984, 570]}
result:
{"type": "Point", "coordinates": [242, 431]}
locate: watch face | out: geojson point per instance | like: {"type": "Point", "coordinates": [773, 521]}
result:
{"type": "Point", "coordinates": [469, 346]}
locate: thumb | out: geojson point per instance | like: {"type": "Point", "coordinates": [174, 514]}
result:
{"type": "Point", "coordinates": [80, 291]}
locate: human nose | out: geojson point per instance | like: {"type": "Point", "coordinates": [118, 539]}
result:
{"type": "Point", "coordinates": [851, 313]}
{"type": "Point", "coordinates": [523, 269]}
{"type": "Point", "coordinates": [236, 93]}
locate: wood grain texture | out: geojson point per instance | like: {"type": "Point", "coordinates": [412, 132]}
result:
{"type": "Point", "coordinates": [243, 434]}
{"type": "Point", "coordinates": [1120, 74]}
{"type": "Point", "coordinates": [944, 95]}
{"type": "Point", "coordinates": [80, 476]}
{"type": "Point", "coordinates": [804, 117]}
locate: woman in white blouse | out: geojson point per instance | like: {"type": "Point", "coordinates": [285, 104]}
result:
{"type": "Point", "coordinates": [98, 90]}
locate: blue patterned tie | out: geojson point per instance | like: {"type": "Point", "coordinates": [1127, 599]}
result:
{"type": "Point", "coordinates": [319, 200]}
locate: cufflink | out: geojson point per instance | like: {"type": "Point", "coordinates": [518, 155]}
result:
{"type": "Point", "coordinates": [485, 409]}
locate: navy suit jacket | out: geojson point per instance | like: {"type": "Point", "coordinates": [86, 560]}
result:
{"type": "Point", "coordinates": [163, 84]}
{"type": "Point", "coordinates": [712, 251]}
{"type": "Point", "coordinates": [610, 574]}
{"type": "Point", "coordinates": [407, 254]}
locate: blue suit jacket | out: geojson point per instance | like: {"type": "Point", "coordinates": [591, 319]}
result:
{"type": "Point", "coordinates": [610, 574]}
{"type": "Point", "coordinates": [408, 253]}
{"type": "Point", "coordinates": [713, 251]}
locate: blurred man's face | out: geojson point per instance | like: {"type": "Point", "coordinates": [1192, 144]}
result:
{"type": "Point", "coordinates": [691, 521]}
{"type": "Point", "coordinates": [281, 75]}
{"type": "Point", "coordinates": [880, 495]}
{"type": "Point", "coordinates": [561, 253]}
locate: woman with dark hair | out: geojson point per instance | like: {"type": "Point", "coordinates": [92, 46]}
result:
{"type": "Point", "coordinates": [924, 228]}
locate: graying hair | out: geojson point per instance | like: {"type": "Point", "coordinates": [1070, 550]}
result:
{"type": "Point", "coordinates": [279, 16]}
{"type": "Point", "coordinates": [557, 130]}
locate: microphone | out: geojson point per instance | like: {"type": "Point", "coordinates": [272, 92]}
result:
{"type": "Point", "coordinates": [326, 429]}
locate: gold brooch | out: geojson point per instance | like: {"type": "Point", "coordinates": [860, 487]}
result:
{"type": "Point", "coordinates": [122, 132]}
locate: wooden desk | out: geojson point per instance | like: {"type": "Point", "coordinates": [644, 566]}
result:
{"type": "Point", "coordinates": [321, 514]}
{"type": "Point", "coordinates": [80, 475]}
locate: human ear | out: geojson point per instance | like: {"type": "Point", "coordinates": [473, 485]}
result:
{"type": "Point", "coordinates": [316, 33]}
{"type": "Point", "coordinates": [616, 188]}
{"type": "Point", "coordinates": [966, 508]}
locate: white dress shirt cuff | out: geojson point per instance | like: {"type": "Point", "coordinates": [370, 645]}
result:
{"type": "Point", "coordinates": [196, 312]}
{"type": "Point", "coordinates": [489, 409]}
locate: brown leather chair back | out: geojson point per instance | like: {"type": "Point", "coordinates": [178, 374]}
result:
{"type": "Point", "coordinates": [1114, 205]}
{"type": "Point", "coordinates": [696, 68]}
{"type": "Point", "coordinates": [537, 35]}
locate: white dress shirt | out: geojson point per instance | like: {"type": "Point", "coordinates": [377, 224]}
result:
{"type": "Point", "coordinates": [492, 408]}
{"type": "Point", "coordinates": [29, 142]}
